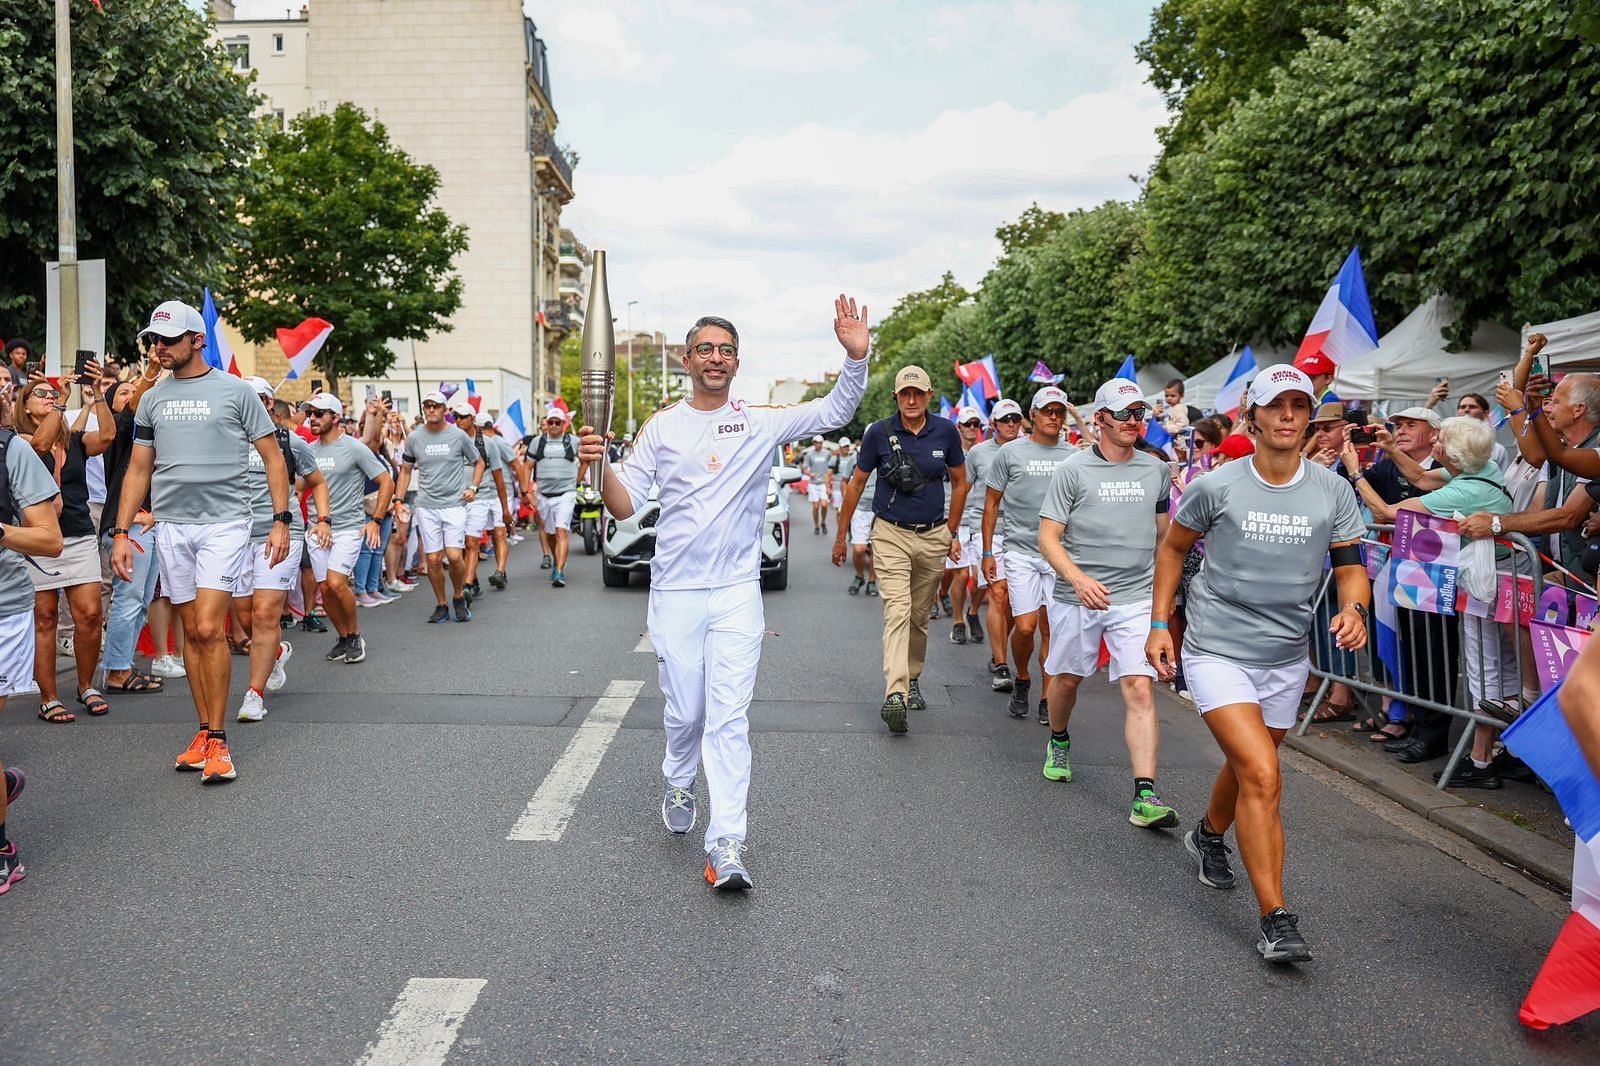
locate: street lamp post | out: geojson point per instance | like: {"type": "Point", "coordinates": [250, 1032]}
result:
{"type": "Point", "coordinates": [631, 424]}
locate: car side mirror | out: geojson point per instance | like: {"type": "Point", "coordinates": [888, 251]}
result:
{"type": "Point", "coordinates": [787, 475]}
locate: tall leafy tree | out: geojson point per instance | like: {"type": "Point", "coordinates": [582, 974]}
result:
{"type": "Point", "coordinates": [163, 140]}
{"type": "Point", "coordinates": [917, 312]}
{"type": "Point", "coordinates": [344, 226]}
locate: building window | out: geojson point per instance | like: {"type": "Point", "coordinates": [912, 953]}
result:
{"type": "Point", "coordinates": [277, 44]}
{"type": "Point", "coordinates": [239, 52]}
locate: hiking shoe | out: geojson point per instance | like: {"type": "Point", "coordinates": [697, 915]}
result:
{"type": "Point", "coordinates": [1018, 707]}
{"type": "Point", "coordinates": [1280, 938]}
{"type": "Point", "coordinates": [872, 588]}
{"type": "Point", "coordinates": [194, 756]}
{"type": "Point", "coordinates": [1058, 760]}
{"type": "Point", "coordinates": [498, 579]}
{"type": "Point", "coordinates": [1467, 775]}
{"type": "Point", "coordinates": [914, 700]}
{"type": "Point", "coordinates": [894, 712]}
{"type": "Point", "coordinates": [1210, 854]}
{"type": "Point", "coordinates": [725, 867]}
{"type": "Point", "coordinates": [357, 649]}
{"type": "Point", "coordinates": [1150, 813]}
{"type": "Point", "coordinates": [440, 613]}
{"type": "Point", "coordinates": [11, 871]}
{"type": "Point", "coordinates": [219, 763]}
{"type": "Point", "coordinates": [338, 650]}
{"type": "Point", "coordinates": [677, 810]}
{"type": "Point", "coordinates": [558, 579]}
{"type": "Point", "coordinates": [16, 781]}
{"type": "Point", "coordinates": [999, 677]}
{"type": "Point", "coordinates": [277, 679]}
{"type": "Point", "coordinates": [974, 629]}
{"type": "Point", "coordinates": [855, 586]}
{"type": "Point", "coordinates": [460, 605]}
{"type": "Point", "coordinates": [254, 708]}
{"type": "Point", "coordinates": [949, 608]}
{"type": "Point", "coordinates": [546, 563]}
{"type": "Point", "coordinates": [313, 623]}
{"type": "Point", "coordinates": [958, 633]}
{"type": "Point", "coordinates": [1044, 710]}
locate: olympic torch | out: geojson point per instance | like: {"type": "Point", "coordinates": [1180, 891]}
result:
{"type": "Point", "coordinates": [597, 368]}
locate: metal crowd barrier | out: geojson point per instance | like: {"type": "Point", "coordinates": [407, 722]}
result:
{"type": "Point", "coordinates": [1439, 671]}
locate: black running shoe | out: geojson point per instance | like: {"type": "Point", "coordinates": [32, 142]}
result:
{"type": "Point", "coordinates": [974, 629]}
{"type": "Point", "coordinates": [286, 621]}
{"type": "Point", "coordinates": [855, 586]}
{"type": "Point", "coordinates": [338, 651]}
{"type": "Point", "coordinates": [462, 613]}
{"type": "Point", "coordinates": [894, 712]}
{"type": "Point", "coordinates": [949, 608]}
{"type": "Point", "coordinates": [1280, 938]}
{"type": "Point", "coordinates": [1044, 711]}
{"type": "Point", "coordinates": [469, 591]}
{"type": "Point", "coordinates": [313, 623]}
{"type": "Point", "coordinates": [1018, 707]}
{"type": "Point", "coordinates": [914, 700]}
{"type": "Point", "coordinates": [16, 781]}
{"type": "Point", "coordinates": [440, 613]}
{"type": "Point", "coordinates": [999, 677]}
{"type": "Point", "coordinates": [498, 579]}
{"type": "Point", "coordinates": [1467, 775]}
{"type": "Point", "coordinates": [872, 588]}
{"type": "Point", "coordinates": [546, 563]}
{"type": "Point", "coordinates": [1210, 854]}
{"type": "Point", "coordinates": [357, 649]}
{"type": "Point", "coordinates": [958, 633]}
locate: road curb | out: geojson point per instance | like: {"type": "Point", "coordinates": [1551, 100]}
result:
{"type": "Point", "coordinates": [1507, 841]}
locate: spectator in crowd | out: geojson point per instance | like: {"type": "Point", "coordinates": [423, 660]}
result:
{"type": "Point", "coordinates": [1176, 413]}
{"type": "Point", "coordinates": [1326, 435]}
{"type": "Point", "coordinates": [1473, 405]}
{"type": "Point", "coordinates": [1320, 369]}
{"type": "Point", "coordinates": [130, 600]}
{"type": "Point", "coordinates": [18, 354]}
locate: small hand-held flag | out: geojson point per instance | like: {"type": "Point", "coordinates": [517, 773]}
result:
{"type": "Point", "coordinates": [1044, 376]}
{"type": "Point", "coordinates": [511, 424]}
{"type": "Point", "coordinates": [945, 410]}
{"type": "Point", "coordinates": [301, 344]}
{"type": "Point", "coordinates": [1126, 370]}
{"type": "Point", "coordinates": [472, 396]}
{"type": "Point", "coordinates": [1231, 394]}
{"type": "Point", "coordinates": [1343, 327]}
{"type": "Point", "coordinates": [218, 352]}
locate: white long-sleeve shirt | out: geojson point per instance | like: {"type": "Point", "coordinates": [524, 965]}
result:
{"type": "Point", "coordinates": [711, 469]}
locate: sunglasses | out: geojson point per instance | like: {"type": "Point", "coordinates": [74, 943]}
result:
{"type": "Point", "coordinates": [429, 403]}
{"type": "Point", "coordinates": [1008, 419]}
{"type": "Point", "coordinates": [45, 394]}
{"type": "Point", "coordinates": [1134, 413]}
{"type": "Point", "coordinates": [170, 342]}
{"type": "Point", "coordinates": [974, 423]}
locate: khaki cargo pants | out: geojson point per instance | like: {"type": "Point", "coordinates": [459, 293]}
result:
{"type": "Point", "coordinates": [909, 566]}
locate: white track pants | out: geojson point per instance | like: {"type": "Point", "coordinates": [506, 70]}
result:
{"type": "Point", "coordinates": [708, 646]}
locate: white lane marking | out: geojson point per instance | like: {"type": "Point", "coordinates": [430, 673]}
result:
{"type": "Point", "coordinates": [644, 644]}
{"type": "Point", "coordinates": [424, 1023]}
{"type": "Point", "coordinates": [551, 807]}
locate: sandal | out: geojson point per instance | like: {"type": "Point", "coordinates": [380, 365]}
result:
{"type": "Point", "coordinates": [1391, 731]}
{"type": "Point", "coordinates": [1331, 712]}
{"type": "Point", "coordinates": [137, 682]}
{"type": "Point", "coordinates": [241, 648]}
{"type": "Point", "coordinates": [56, 711]}
{"type": "Point", "coordinates": [1373, 724]}
{"type": "Point", "coordinates": [93, 701]}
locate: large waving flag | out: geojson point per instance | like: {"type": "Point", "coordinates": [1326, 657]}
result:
{"type": "Point", "coordinates": [1043, 375]}
{"type": "Point", "coordinates": [994, 375]}
{"type": "Point", "coordinates": [511, 423]}
{"type": "Point", "coordinates": [979, 376]}
{"type": "Point", "coordinates": [972, 397]}
{"type": "Point", "coordinates": [472, 396]}
{"type": "Point", "coordinates": [945, 410]}
{"type": "Point", "coordinates": [1343, 327]}
{"type": "Point", "coordinates": [1127, 371]}
{"type": "Point", "coordinates": [218, 352]}
{"type": "Point", "coordinates": [1568, 985]}
{"type": "Point", "coordinates": [302, 343]}
{"type": "Point", "coordinates": [1231, 395]}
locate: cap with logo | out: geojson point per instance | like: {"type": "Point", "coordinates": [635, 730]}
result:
{"type": "Point", "coordinates": [844, 442]}
{"type": "Point", "coordinates": [1419, 414]}
{"type": "Point", "coordinates": [173, 319]}
{"type": "Point", "coordinates": [462, 407]}
{"type": "Point", "coordinates": [1315, 363]}
{"type": "Point", "coordinates": [262, 387]}
{"type": "Point", "coordinates": [1274, 381]}
{"type": "Point", "coordinates": [968, 414]}
{"type": "Point", "coordinates": [434, 397]}
{"type": "Point", "coordinates": [913, 377]}
{"type": "Point", "coordinates": [1048, 395]}
{"type": "Point", "coordinates": [1005, 407]}
{"type": "Point", "coordinates": [555, 413]}
{"type": "Point", "coordinates": [1116, 395]}
{"type": "Point", "coordinates": [325, 401]}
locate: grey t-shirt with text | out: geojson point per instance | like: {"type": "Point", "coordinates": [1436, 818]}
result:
{"type": "Point", "coordinates": [845, 466]}
{"type": "Point", "coordinates": [31, 483]}
{"type": "Point", "coordinates": [1109, 510]}
{"type": "Point", "coordinates": [346, 464]}
{"type": "Point", "coordinates": [1022, 471]}
{"type": "Point", "coordinates": [1265, 549]}
{"type": "Point", "coordinates": [556, 474]}
{"type": "Point", "coordinates": [261, 496]}
{"type": "Point", "coordinates": [979, 456]}
{"type": "Point", "coordinates": [503, 452]}
{"type": "Point", "coordinates": [816, 463]}
{"type": "Point", "coordinates": [202, 429]}
{"type": "Point", "coordinates": [443, 462]}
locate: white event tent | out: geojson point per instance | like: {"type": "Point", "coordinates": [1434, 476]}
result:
{"type": "Point", "coordinates": [1411, 358]}
{"type": "Point", "coordinates": [1572, 342]}
{"type": "Point", "coordinates": [1200, 390]}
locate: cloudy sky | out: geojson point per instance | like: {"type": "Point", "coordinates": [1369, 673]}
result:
{"type": "Point", "coordinates": [752, 159]}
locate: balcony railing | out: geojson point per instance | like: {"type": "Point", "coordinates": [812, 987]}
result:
{"type": "Point", "coordinates": [556, 316]}
{"type": "Point", "coordinates": [541, 145]}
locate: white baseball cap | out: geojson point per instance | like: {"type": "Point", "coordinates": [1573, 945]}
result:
{"type": "Point", "coordinates": [1117, 394]}
{"type": "Point", "coordinates": [555, 412]}
{"type": "Point", "coordinates": [1005, 407]}
{"type": "Point", "coordinates": [817, 439]}
{"type": "Point", "coordinates": [844, 442]}
{"type": "Point", "coordinates": [325, 401]}
{"type": "Point", "coordinates": [173, 319]}
{"type": "Point", "coordinates": [262, 387]}
{"type": "Point", "coordinates": [1047, 396]}
{"type": "Point", "coordinates": [967, 414]}
{"type": "Point", "coordinates": [1420, 414]}
{"type": "Point", "coordinates": [1274, 381]}
{"type": "Point", "coordinates": [434, 397]}
{"type": "Point", "coordinates": [462, 407]}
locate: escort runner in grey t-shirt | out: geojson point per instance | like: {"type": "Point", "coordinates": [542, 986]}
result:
{"type": "Point", "coordinates": [556, 474]}
{"type": "Point", "coordinates": [31, 483]}
{"type": "Point", "coordinates": [202, 429]}
{"type": "Point", "coordinates": [1022, 471]}
{"type": "Point", "coordinates": [505, 454]}
{"type": "Point", "coordinates": [1109, 510]}
{"type": "Point", "coordinates": [1265, 549]}
{"type": "Point", "coordinates": [443, 462]}
{"type": "Point", "coordinates": [979, 458]}
{"type": "Point", "coordinates": [346, 464]}
{"type": "Point", "coordinates": [845, 466]}
{"type": "Point", "coordinates": [816, 463]}
{"type": "Point", "coordinates": [261, 495]}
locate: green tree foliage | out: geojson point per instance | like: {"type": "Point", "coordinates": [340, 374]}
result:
{"type": "Point", "coordinates": [916, 313]}
{"type": "Point", "coordinates": [162, 136]}
{"type": "Point", "coordinates": [1031, 228]}
{"type": "Point", "coordinates": [646, 383]}
{"type": "Point", "coordinates": [344, 227]}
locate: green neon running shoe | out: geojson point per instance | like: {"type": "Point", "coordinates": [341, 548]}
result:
{"type": "Point", "coordinates": [1150, 813]}
{"type": "Point", "coordinates": [1058, 760]}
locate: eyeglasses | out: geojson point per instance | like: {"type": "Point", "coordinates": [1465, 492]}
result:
{"type": "Point", "coordinates": [705, 348]}
{"type": "Point", "coordinates": [1008, 419]}
{"type": "Point", "coordinates": [1135, 413]}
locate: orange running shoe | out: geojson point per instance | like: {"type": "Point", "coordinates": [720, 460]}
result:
{"type": "Point", "coordinates": [194, 756]}
{"type": "Point", "coordinates": [219, 763]}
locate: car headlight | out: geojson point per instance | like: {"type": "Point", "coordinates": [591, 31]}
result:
{"type": "Point", "coordinates": [611, 528]}
{"type": "Point", "coordinates": [772, 500]}
{"type": "Point", "coordinates": [649, 520]}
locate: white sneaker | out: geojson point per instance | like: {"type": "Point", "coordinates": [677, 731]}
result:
{"type": "Point", "coordinates": [277, 679]}
{"type": "Point", "coordinates": [398, 587]}
{"type": "Point", "coordinates": [384, 598]}
{"type": "Point", "coordinates": [167, 666]}
{"type": "Point", "coordinates": [366, 599]}
{"type": "Point", "coordinates": [253, 709]}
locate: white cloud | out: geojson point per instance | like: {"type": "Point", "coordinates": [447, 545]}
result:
{"type": "Point", "coordinates": [596, 28]}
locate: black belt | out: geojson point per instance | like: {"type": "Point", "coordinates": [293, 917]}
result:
{"type": "Point", "coordinates": [910, 527]}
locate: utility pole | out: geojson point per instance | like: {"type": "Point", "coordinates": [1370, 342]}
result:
{"type": "Point", "coordinates": [631, 423]}
{"type": "Point", "coordinates": [541, 400]}
{"type": "Point", "coordinates": [66, 190]}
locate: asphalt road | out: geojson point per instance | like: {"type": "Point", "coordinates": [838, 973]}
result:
{"type": "Point", "coordinates": [929, 898]}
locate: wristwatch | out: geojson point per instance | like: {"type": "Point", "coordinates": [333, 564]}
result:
{"type": "Point", "coordinates": [1360, 609]}
{"type": "Point", "coordinates": [1494, 526]}
{"type": "Point", "coordinates": [285, 517]}
{"type": "Point", "coordinates": [321, 518]}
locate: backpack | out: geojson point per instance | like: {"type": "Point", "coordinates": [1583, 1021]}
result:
{"type": "Point", "coordinates": [282, 433]}
{"type": "Point", "coordinates": [566, 446]}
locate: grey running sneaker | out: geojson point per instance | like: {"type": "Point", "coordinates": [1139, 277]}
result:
{"type": "Point", "coordinates": [949, 608]}
{"type": "Point", "coordinates": [855, 586]}
{"type": "Point", "coordinates": [338, 651]}
{"type": "Point", "coordinates": [1044, 711]}
{"type": "Point", "coordinates": [498, 579]}
{"type": "Point", "coordinates": [546, 563]}
{"type": "Point", "coordinates": [958, 633]}
{"type": "Point", "coordinates": [914, 700]}
{"type": "Point", "coordinates": [894, 712]}
{"type": "Point", "coordinates": [725, 867]}
{"type": "Point", "coordinates": [1280, 938]}
{"type": "Point", "coordinates": [357, 649]}
{"type": "Point", "coordinates": [677, 810]}
{"type": "Point", "coordinates": [440, 613]}
{"type": "Point", "coordinates": [1000, 677]}
{"type": "Point", "coordinates": [1210, 854]}
{"type": "Point", "coordinates": [974, 628]}
{"type": "Point", "coordinates": [463, 614]}
{"type": "Point", "coordinates": [1018, 707]}
{"type": "Point", "coordinates": [872, 588]}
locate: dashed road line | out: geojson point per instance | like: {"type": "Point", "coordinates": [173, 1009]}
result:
{"type": "Point", "coordinates": [551, 808]}
{"type": "Point", "coordinates": [424, 1023]}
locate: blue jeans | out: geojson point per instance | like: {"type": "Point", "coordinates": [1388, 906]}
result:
{"type": "Point", "coordinates": [130, 602]}
{"type": "Point", "coordinates": [369, 564]}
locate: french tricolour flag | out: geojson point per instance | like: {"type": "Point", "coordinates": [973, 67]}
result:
{"type": "Point", "coordinates": [302, 343]}
{"type": "Point", "coordinates": [472, 396]}
{"type": "Point", "coordinates": [1231, 395]}
{"type": "Point", "coordinates": [511, 422]}
{"type": "Point", "coordinates": [1343, 327]}
{"type": "Point", "coordinates": [1568, 985]}
{"type": "Point", "coordinates": [218, 352]}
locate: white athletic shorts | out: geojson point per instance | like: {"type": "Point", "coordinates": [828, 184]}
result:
{"type": "Point", "coordinates": [442, 528]}
{"type": "Point", "coordinates": [999, 543]}
{"type": "Point", "coordinates": [1076, 632]}
{"type": "Point", "coordinates": [206, 555]}
{"type": "Point", "coordinates": [557, 510]}
{"type": "Point", "coordinates": [340, 556]}
{"type": "Point", "coordinates": [254, 573]}
{"type": "Point", "coordinates": [838, 496]}
{"type": "Point", "coordinates": [483, 515]}
{"type": "Point", "coordinates": [817, 492]}
{"type": "Point", "coordinates": [1216, 682]}
{"type": "Point", "coordinates": [970, 551]}
{"type": "Point", "coordinates": [861, 526]}
{"type": "Point", "coordinates": [1030, 583]}
{"type": "Point", "coordinates": [16, 654]}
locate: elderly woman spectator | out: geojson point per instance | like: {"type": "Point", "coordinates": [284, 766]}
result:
{"type": "Point", "coordinates": [1475, 485]}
